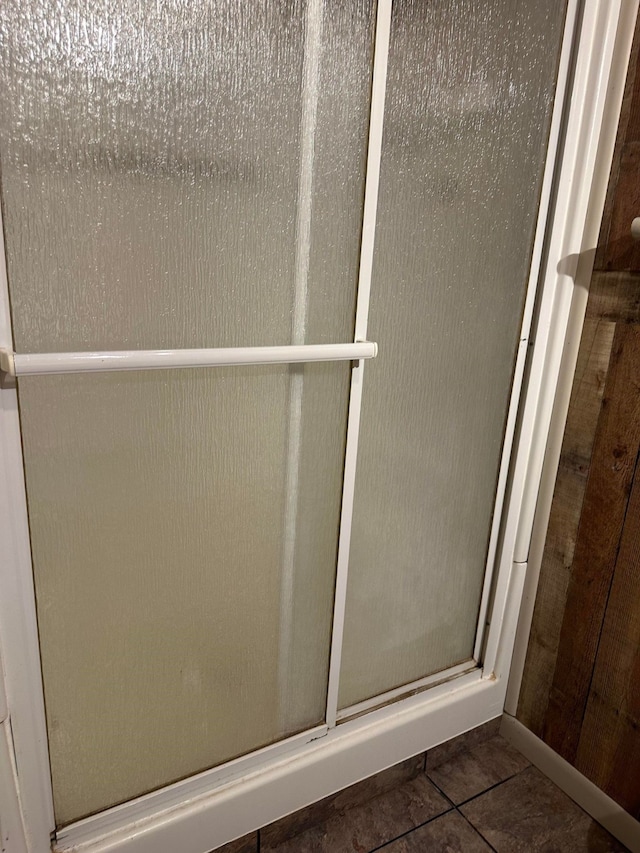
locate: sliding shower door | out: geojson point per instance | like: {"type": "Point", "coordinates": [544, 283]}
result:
{"type": "Point", "coordinates": [177, 176]}
{"type": "Point", "coordinates": [469, 94]}
{"type": "Point", "coordinates": [196, 176]}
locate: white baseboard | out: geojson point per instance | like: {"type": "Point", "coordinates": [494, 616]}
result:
{"type": "Point", "coordinates": [587, 795]}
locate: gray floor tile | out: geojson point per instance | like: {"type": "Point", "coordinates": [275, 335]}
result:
{"type": "Point", "coordinates": [446, 751]}
{"type": "Point", "coordinates": [530, 813]}
{"type": "Point", "coordinates": [246, 844]}
{"type": "Point", "coordinates": [337, 804]}
{"type": "Point", "coordinates": [474, 770]}
{"type": "Point", "coordinates": [370, 825]}
{"type": "Point", "coordinates": [447, 834]}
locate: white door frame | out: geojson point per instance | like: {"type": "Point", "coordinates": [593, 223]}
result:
{"type": "Point", "coordinates": [222, 804]}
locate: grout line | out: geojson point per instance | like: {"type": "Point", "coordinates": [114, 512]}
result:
{"type": "Point", "coordinates": [477, 831]}
{"type": "Point", "coordinates": [413, 829]}
{"type": "Point", "coordinates": [439, 789]}
{"type": "Point", "coordinates": [491, 787]}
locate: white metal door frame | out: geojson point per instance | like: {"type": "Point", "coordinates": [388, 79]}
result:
{"type": "Point", "coordinates": [374, 156]}
{"type": "Point", "coordinates": [227, 802]}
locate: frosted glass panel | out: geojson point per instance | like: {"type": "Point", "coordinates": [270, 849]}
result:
{"type": "Point", "coordinates": [158, 506]}
{"type": "Point", "coordinates": [468, 102]}
{"type": "Point", "coordinates": [181, 175]}
{"type": "Point", "coordinates": [173, 173]}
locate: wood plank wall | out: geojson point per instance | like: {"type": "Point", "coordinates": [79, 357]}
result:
{"type": "Point", "coordinates": [581, 685]}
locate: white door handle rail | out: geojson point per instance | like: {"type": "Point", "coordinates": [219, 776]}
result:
{"type": "Point", "coordinates": [34, 364]}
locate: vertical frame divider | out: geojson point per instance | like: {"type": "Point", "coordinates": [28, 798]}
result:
{"type": "Point", "coordinates": [374, 156]}
{"type": "Point", "coordinates": [562, 94]}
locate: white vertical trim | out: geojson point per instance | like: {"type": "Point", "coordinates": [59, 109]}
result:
{"type": "Point", "coordinates": [13, 837]}
{"type": "Point", "coordinates": [310, 92]}
{"type": "Point", "coordinates": [554, 408]}
{"type": "Point", "coordinates": [344, 542]}
{"type": "Point", "coordinates": [18, 627]}
{"type": "Point", "coordinates": [555, 131]}
{"type": "Point", "coordinates": [581, 790]}
{"type": "Point", "coordinates": [374, 159]}
{"type": "Point", "coordinates": [573, 234]}
{"type": "Point", "coordinates": [374, 156]}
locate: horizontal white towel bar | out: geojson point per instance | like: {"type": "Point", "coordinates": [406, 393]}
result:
{"type": "Point", "coordinates": [33, 364]}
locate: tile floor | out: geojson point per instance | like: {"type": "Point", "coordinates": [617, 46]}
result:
{"type": "Point", "coordinates": [476, 793]}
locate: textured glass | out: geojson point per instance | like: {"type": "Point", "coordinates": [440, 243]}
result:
{"type": "Point", "coordinates": [153, 170]}
{"type": "Point", "coordinates": [181, 175]}
{"type": "Point", "coordinates": [158, 511]}
{"type": "Point", "coordinates": [469, 96]}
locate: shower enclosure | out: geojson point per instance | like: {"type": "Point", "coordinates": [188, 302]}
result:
{"type": "Point", "coordinates": [272, 275]}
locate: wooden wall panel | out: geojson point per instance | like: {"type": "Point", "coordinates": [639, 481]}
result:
{"type": "Point", "coordinates": [613, 298]}
{"type": "Point", "coordinates": [603, 513]}
{"type": "Point", "coordinates": [586, 399]}
{"type": "Point", "coordinates": [609, 747]}
{"type": "Point", "coordinates": [623, 252]}
{"type": "Point", "coordinates": [616, 250]}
